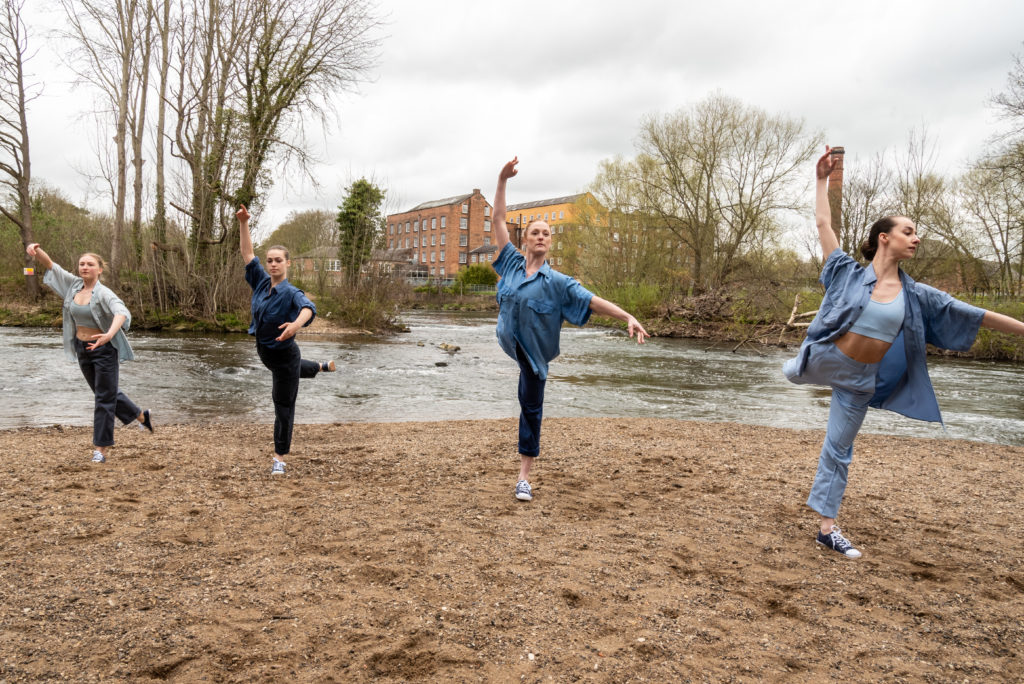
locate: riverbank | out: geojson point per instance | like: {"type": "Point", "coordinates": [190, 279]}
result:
{"type": "Point", "coordinates": [656, 549]}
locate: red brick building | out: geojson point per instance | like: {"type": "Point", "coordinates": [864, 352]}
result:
{"type": "Point", "coordinates": [442, 233]}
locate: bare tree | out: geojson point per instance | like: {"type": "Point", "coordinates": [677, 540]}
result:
{"type": "Point", "coordinates": [993, 198]}
{"type": "Point", "coordinates": [719, 175]}
{"type": "Point", "coordinates": [105, 55]}
{"type": "Point", "coordinates": [867, 197]}
{"type": "Point", "coordinates": [15, 94]}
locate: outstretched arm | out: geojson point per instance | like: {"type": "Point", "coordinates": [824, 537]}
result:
{"type": "Point", "coordinates": [602, 307]}
{"type": "Point", "coordinates": [244, 239]}
{"type": "Point", "coordinates": [498, 219]}
{"type": "Point", "coordinates": [822, 210]}
{"type": "Point", "coordinates": [1002, 323]}
{"type": "Point", "coordinates": [37, 253]}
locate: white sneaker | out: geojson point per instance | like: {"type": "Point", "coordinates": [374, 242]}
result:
{"type": "Point", "coordinates": [98, 457]}
{"type": "Point", "coordinates": [523, 491]}
{"type": "Point", "coordinates": [278, 468]}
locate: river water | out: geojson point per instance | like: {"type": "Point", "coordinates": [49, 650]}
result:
{"type": "Point", "coordinates": [204, 379]}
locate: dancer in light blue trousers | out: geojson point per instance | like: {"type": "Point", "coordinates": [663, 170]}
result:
{"type": "Point", "coordinates": [868, 343]}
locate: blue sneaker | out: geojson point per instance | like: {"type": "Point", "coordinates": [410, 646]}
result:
{"type": "Point", "coordinates": [837, 542]}
{"type": "Point", "coordinates": [98, 457]}
{"type": "Point", "coordinates": [327, 367]}
{"type": "Point", "coordinates": [523, 491]}
{"type": "Point", "coordinates": [278, 468]}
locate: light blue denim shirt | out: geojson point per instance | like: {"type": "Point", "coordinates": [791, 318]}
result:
{"type": "Point", "coordinates": [932, 317]}
{"type": "Point", "coordinates": [532, 308]}
{"type": "Point", "coordinates": [104, 305]}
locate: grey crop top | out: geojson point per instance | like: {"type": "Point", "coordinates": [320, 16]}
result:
{"type": "Point", "coordinates": [82, 315]}
{"type": "Point", "coordinates": [881, 320]}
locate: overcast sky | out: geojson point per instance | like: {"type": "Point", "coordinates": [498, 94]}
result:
{"type": "Point", "coordinates": [463, 85]}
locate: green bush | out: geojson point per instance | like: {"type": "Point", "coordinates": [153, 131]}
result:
{"type": "Point", "coordinates": [477, 274]}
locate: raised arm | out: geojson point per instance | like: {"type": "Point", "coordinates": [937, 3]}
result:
{"type": "Point", "coordinates": [244, 239]}
{"type": "Point", "coordinates": [602, 307]}
{"type": "Point", "coordinates": [1002, 323]}
{"type": "Point", "coordinates": [822, 210]}
{"type": "Point", "coordinates": [37, 253]}
{"type": "Point", "coordinates": [498, 219]}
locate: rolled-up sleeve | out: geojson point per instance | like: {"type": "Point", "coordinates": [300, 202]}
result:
{"type": "Point", "coordinates": [300, 301]}
{"type": "Point", "coordinates": [59, 280]}
{"type": "Point", "coordinates": [508, 257]}
{"type": "Point", "coordinates": [838, 265]}
{"type": "Point", "coordinates": [576, 302]}
{"type": "Point", "coordinates": [948, 322]}
{"type": "Point", "coordinates": [118, 308]}
{"type": "Point", "coordinates": [254, 273]}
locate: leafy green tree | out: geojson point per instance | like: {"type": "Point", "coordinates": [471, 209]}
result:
{"type": "Point", "coordinates": [477, 274]}
{"type": "Point", "coordinates": [360, 222]}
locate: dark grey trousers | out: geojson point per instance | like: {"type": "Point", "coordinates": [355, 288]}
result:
{"type": "Point", "coordinates": [100, 368]}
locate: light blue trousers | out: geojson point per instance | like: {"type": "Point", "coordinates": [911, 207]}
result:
{"type": "Point", "coordinates": [853, 386]}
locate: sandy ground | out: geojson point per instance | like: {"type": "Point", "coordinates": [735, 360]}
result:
{"type": "Point", "coordinates": [654, 551]}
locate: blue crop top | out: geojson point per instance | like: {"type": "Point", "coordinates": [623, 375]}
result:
{"type": "Point", "coordinates": [881, 320]}
{"type": "Point", "coordinates": [82, 315]}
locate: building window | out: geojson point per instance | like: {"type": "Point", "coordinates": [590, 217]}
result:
{"type": "Point", "coordinates": [462, 257]}
{"type": "Point", "coordinates": [472, 258]}
{"type": "Point", "coordinates": [433, 240]}
{"type": "Point", "coordinates": [442, 259]}
{"type": "Point", "coordinates": [423, 258]}
{"type": "Point", "coordinates": [433, 270]}
{"type": "Point", "coordinates": [444, 221]}
{"type": "Point", "coordinates": [406, 226]}
{"type": "Point", "coordinates": [559, 244]}
{"type": "Point", "coordinates": [415, 242]}
{"type": "Point", "coordinates": [391, 229]}
{"type": "Point", "coordinates": [462, 240]}
{"type": "Point", "coordinates": [561, 215]}
{"type": "Point", "coordinates": [465, 207]}
{"type": "Point", "coordinates": [487, 210]}
{"type": "Point", "coordinates": [545, 216]}
{"type": "Point", "coordinates": [433, 223]}
{"type": "Point", "coordinates": [615, 237]}
{"type": "Point", "coordinates": [490, 257]}
{"type": "Point", "coordinates": [487, 239]}
{"type": "Point", "coordinates": [487, 226]}
{"type": "Point", "coordinates": [442, 239]}
{"type": "Point", "coordinates": [442, 271]}
{"type": "Point", "coordinates": [463, 223]}
{"type": "Point", "coordinates": [561, 229]}
{"type": "Point", "coordinates": [407, 243]}
{"type": "Point", "coordinates": [433, 257]}
{"type": "Point", "coordinates": [416, 226]}
{"type": "Point", "coordinates": [559, 261]}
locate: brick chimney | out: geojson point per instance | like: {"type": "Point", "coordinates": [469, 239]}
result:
{"type": "Point", "coordinates": [835, 189]}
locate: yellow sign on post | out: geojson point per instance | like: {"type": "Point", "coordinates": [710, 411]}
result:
{"type": "Point", "coordinates": [30, 271]}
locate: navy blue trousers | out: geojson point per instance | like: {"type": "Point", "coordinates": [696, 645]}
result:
{"type": "Point", "coordinates": [531, 406]}
{"type": "Point", "coordinates": [100, 368]}
{"type": "Point", "coordinates": [286, 367]}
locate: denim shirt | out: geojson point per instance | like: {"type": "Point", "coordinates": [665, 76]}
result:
{"type": "Point", "coordinates": [932, 317]}
{"type": "Point", "coordinates": [532, 308]}
{"type": "Point", "coordinates": [103, 305]}
{"type": "Point", "coordinates": [272, 306]}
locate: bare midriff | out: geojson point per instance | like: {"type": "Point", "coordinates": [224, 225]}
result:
{"type": "Point", "coordinates": [87, 334]}
{"type": "Point", "coordinates": [861, 348]}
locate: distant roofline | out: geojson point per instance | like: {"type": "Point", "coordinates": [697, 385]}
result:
{"type": "Point", "coordinates": [567, 199]}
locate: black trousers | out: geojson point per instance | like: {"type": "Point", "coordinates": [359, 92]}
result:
{"type": "Point", "coordinates": [100, 368]}
{"type": "Point", "coordinates": [286, 367]}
